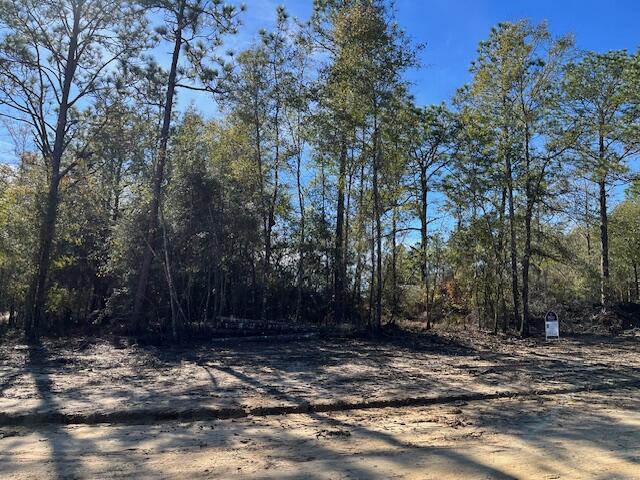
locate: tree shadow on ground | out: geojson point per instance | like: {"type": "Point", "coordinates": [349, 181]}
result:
{"type": "Point", "coordinates": [59, 440]}
{"type": "Point", "coordinates": [280, 372]}
{"type": "Point", "coordinates": [97, 376]}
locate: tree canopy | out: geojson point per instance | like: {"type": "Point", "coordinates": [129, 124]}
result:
{"type": "Point", "coordinates": [321, 192]}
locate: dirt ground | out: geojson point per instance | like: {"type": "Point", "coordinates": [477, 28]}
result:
{"type": "Point", "coordinates": [567, 409]}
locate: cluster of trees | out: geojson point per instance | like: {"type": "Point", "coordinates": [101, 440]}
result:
{"type": "Point", "coordinates": [309, 198]}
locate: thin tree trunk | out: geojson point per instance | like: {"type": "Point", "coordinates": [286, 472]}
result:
{"type": "Point", "coordinates": [357, 286]}
{"type": "Point", "coordinates": [496, 309]}
{"type": "Point", "coordinates": [424, 239]}
{"type": "Point", "coordinates": [377, 323]}
{"type": "Point", "coordinates": [138, 318]}
{"type": "Point", "coordinates": [526, 257]}
{"type": "Point", "coordinates": [512, 243]}
{"type": "Point", "coordinates": [499, 301]}
{"type": "Point", "coordinates": [326, 241]}
{"type": "Point", "coordinates": [586, 219]}
{"type": "Point", "coordinates": [604, 246]}
{"type": "Point", "coordinates": [207, 301]}
{"type": "Point", "coordinates": [431, 295]}
{"type": "Point", "coordinates": [347, 232]}
{"type": "Point", "coordinates": [486, 302]}
{"type": "Point", "coordinates": [271, 221]}
{"type": "Point", "coordinates": [394, 265]}
{"type": "Point", "coordinates": [37, 292]}
{"type": "Point", "coordinates": [526, 260]}
{"type": "Point", "coordinates": [301, 239]}
{"type": "Point", "coordinates": [502, 261]}
{"type": "Point", "coordinates": [338, 262]}
{"type": "Point", "coordinates": [372, 286]}
{"type": "Point", "coordinates": [172, 297]}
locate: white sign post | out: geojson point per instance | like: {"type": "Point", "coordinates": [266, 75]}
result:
{"type": "Point", "coordinates": [551, 326]}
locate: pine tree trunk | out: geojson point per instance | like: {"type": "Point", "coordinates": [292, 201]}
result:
{"type": "Point", "coordinates": [173, 300]}
{"type": "Point", "coordinates": [357, 280]}
{"type": "Point", "coordinates": [502, 262]}
{"type": "Point", "coordinates": [271, 221]}
{"type": "Point", "coordinates": [377, 321]}
{"type": "Point", "coordinates": [424, 239]}
{"type": "Point", "coordinates": [37, 293]}
{"type": "Point", "coordinates": [512, 243]}
{"type": "Point", "coordinates": [635, 281]}
{"type": "Point", "coordinates": [138, 318]}
{"type": "Point", "coordinates": [604, 246]}
{"type": "Point", "coordinates": [526, 256]}
{"type": "Point", "coordinates": [301, 240]}
{"type": "Point", "coordinates": [338, 262]}
{"type": "Point", "coordinates": [586, 220]}
{"type": "Point", "coordinates": [372, 281]}
{"type": "Point", "coordinates": [347, 233]}
{"type": "Point", "coordinates": [36, 300]}
{"type": "Point", "coordinates": [394, 265]}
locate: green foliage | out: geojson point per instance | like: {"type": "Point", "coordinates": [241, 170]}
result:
{"type": "Point", "coordinates": [322, 191]}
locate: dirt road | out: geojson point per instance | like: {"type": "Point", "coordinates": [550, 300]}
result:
{"type": "Point", "coordinates": [539, 434]}
{"type": "Point", "coordinates": [565, 436]}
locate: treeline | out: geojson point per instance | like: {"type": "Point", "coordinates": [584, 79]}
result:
{"type": "Point", "coordinates": [321, 192]}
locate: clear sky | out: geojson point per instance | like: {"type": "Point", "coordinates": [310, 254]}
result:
{"type": "Point", "coordinates": [452, 29]}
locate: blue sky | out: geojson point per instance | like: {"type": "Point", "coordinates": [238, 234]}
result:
{"type": "Point", "coordinates": [452, 29]}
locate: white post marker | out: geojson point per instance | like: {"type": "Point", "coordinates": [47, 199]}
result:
{"type": "Point", "coordinates": [551, 325]}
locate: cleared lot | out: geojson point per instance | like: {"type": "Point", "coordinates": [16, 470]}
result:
{"type": "Point", "coordinates": [576, 415]}
{"type": "Point", "coordinates": [565, 436]}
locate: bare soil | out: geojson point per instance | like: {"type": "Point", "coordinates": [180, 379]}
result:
{"type": "Point", "coordinates": [462, 405]}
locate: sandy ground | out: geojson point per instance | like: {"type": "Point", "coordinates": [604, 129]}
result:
{"type": "Point", "coordinates": [565, 436]}
{"type": "Point", "coordinates": [82, 377]}
{"type": "Point", "coordinates": [584, 434]}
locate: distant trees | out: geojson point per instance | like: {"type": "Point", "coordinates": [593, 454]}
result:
{"type": "Point", "coordinates": [625, 248]}
{"type": "Point", "coordinates": [430, 146]}
{"type": "Point", "coordinates": [516, 87]}
{"type": "Point", "coordinates": [262, 102]}
{"type": "Point", "coordinates": [321, 192]}
{"type": "Point", "coordinates": [369, 54]}
{"type": "Point", "coordinates": [193, 27]}
{"type": "Point", "coordinates": [601, 95]}
{"type": "Point", "coordinates": [19, 219]}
